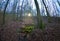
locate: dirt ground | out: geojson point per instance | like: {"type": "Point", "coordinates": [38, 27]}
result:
{"type": "Point", "coordinates": [8, 32]}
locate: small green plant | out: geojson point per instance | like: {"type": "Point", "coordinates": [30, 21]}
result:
{"type": "Point", "coordinates": [28, 29]}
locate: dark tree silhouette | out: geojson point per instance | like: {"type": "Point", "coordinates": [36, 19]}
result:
{"type": "Point", "coordinates": [0, 5]}
{"type": "Point", "coordinates": [14, 9]}
{"type": "Point", "coordinates": [17, 12]}
{"type": "Point", "coordinates": [39, 18]}
{"type": "Point", "coordinates": [4, 11]}
{"type": "Point", "coordinates": [21, 11]}
{"type": "Point", "coordinates": [58, 2]}
{"type": "Point", "coordinates": [48, 15]}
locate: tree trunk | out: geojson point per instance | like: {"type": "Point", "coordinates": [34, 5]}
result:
{"type": "Point", "coordinates": [21, 11]}
{"type": "Point", "coordinates": [58, 2]}
{"type": "Point", "coordinates": [48, 15]}
{"type": "Point", "coordinates": [14, 10]}
{"type": "Point", "coordinates": [4, 11]}
{"type": "Point", "coordinates": [17, 12]}
{"type": "Point", "coordinates": [39, 18]}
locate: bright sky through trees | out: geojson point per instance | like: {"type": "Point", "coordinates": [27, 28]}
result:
{"type": "Point", "coordinates": [52, 5]}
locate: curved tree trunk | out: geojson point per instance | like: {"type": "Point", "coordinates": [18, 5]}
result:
{"type": "Point", "coordinates": [58, 2]}
{"type": "Point", "coordinates": [48, 15]}
{"type": "Point", "coordinates": [39, 18]}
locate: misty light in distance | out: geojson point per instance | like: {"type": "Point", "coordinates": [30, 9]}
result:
{"type": "Point", "coordinates": [29, 14]}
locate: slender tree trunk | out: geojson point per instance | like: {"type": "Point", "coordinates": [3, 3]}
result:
{"type": "Point", "coordinates": [48, 15]}
{"type": "Point", "coordinates": [4, 11]}
{"type": "Point", "coordinates": [17, 17]}
{"type": "Point", "coordinates": [0, 5]}
{"type": "Point", "coordinates": [58, 2]}
{"type": "Point", "coordinates": [17, 12]}
{"type": "Point", "coordinates": [39, 18]}
{"type": "Point", "coordinates": [14, 10]}
{"type": "Point", "coordinates": [21, 11]}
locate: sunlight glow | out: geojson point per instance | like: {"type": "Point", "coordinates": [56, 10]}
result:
{"type": "Point", "coordinates": [29, 14]}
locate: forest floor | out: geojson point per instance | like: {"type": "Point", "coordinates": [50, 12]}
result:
{"type": "Point", "coordinates": [8, 32]}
